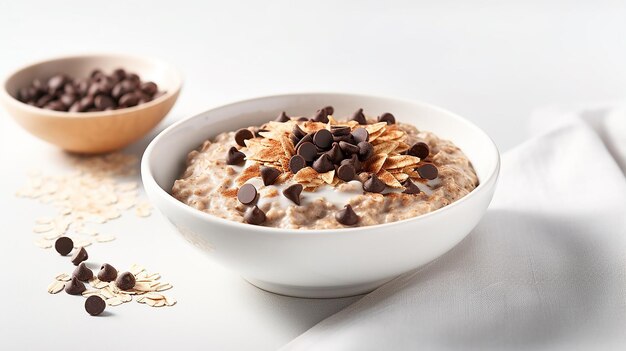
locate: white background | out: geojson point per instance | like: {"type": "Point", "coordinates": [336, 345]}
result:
{"type": "Point", "coordinates": [491, 61]}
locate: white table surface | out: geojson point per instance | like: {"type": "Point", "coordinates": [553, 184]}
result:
{"type": "Point", "coordinates": [488, 61]}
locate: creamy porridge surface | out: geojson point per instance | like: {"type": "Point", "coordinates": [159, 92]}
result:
{"type": "Point", "coordinates": [357, 172]}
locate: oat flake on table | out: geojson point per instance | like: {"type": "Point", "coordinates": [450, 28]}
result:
{"type": "Point", "coordinates": [92, 194]}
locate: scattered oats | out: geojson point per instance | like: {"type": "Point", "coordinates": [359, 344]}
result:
{"type": "Point", "coordinates": [44, 220]}
{"type": "Point", "coordinates": [63, 277]}
{"type": "Point", "coordinates": [52, 235]}
{"type": "Point", "coordinates": [159, 303]}
{"type": "Point", "coordinates": [91, 292]}
{"type": "Point", "coordinates": [128, 186]}
{"type": "Point", "coordinates": [103, 238]}
{"type": "Point", "coordinates": [170, 301]}
{"type": "Point", "coordinates": [43, 243]}
{"type": "Point", "coordinates": [149, 302]}
{"type": "Point", "coordinates": [136, 269]}
{"type": "Point", "coordinates": [143, 209]}
{"type": "Point", "coordinates": [125, 297]}
{"type": "Point", "coordinates": [142, 286]}
{"type": "Point", "coordinates": [43, 228]}
{"type": "Point", "coordinates": [154, 296]}
{"type": "Point", "coordinates": [97, 283]}
{"type": "Point", "coordinates": [163, 287]}
{"type": "Point", "coordinates": [78, 243]}
{"type": "Point", "coordinates": [55, 286]}
{"type": "Point", "coordinates": [114, 301]}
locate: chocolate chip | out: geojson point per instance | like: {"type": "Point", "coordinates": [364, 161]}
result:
{"type": "Point", "coordinates": [293, 192]}
{"type": "Point", "coordinates": [235, 157]}
{"type": "Point", "coordinates": [339, 130]}
{"type": "Point", "coordinates": [86, 102]}
{"type": "Point", "coordinates": [102, 102]}
{"type": "Point", "coordinates": [82, 273]}
{"type": "Point", "coordinates": [354, 161]}
{"type": "Point", "coordinates": [410, 187]}
{"type": "Point", "coordinates": [347, 216]}
{"type": "Point", "coordinates": [296, 163]}
{"type": "Point", "coordinates": [129, 100]}
{"type": "Point", "coordinates": [323, 138]}
{"type": "Point", "coordinates": [335, 154]}
{"type": "Point", "coordinates": [321, 116]}
{"type": "Point", "coordinates": [64, 245]}
{"type": "Point", "coordinates": [42, 101]}
{"type": "Point", "coordinates": [329, 110]}
{"type": "Point", "coordinates": [307, 151]}
{"type": "Point", "coordinates": [269, 175]}
{"type": "Point", "coordinates": [282, 117]}
{"type": "Point", "coordinates": [360, 134]}
{"type": "Point", "coordinates": [419, 149]}
{"type": "Point", "coordinates": [246, 194]}
{"type": "Point", "coordinates": [366, 150]}
{"type": "Point", "coordinates": [254, 216]}
{"type": "Point", "coordinates": [107, 273]}
{"type": "Point", "coordinates": [79, 256]}
{"type": "Point", "coordinates": [359, 117]}
{"type": "Point", "coordinates": [75, 287]}
{"type": "Point", "coordinates": [428, 171]}
{"type": "Point", "coordinates": [348, 148]}
{"type": "Point", "coordinates": [306, 138]}
{"type": "Point", "coordinates": [323, 164]}
{"type": "Point", "coordinates": [243, 134]}
{"type": "Point", "coordinates": [95, 305]}
{"type": "Point", "coordinates": [346, 172]}
{"type": "Point", "coordinates": [125, 281]}
{"type": "Point", "coordinates": [347, 138]}
{"type": "Point", "coordinates": [55, 106]}
{"type": "Point", "coordinates": [68, 99]}
{"type": "Point", "coordinates": [119, 73]}
{"type": "Point", "coordinates": [149, 88]}
{"type": "Point", "coordinates": [374, 185]}
{"type": "Point", "coordinates": [294, 139]}
{"type": "Point", "coordinates": [387, 117]}
{"type": "Point", "coordinates": [298, 132]}
{"type": "Point", "coordinates": [56, 82]}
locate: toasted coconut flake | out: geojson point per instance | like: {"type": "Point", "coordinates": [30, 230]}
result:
{"type": "Point", "coordinates": [388, 179]}
{"type": "Point", "coordinates": [328, 176]}
{"type": "Point", "coordinates": [400, 161]}
{"type": "Point", "coordinates": [386, 148]}
{"type": "Point", "coordinates": [375, 163]}
{"type": "Point", "coordinates": [232, 192]}
{"type": "Point", "coordinates": [248, 173]}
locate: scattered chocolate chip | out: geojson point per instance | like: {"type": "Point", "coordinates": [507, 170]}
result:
{"type": "Point", "coordinates": [347, 216]}
{"type": "Point", "coordinates": [82, 273]}
{"type": "Point", "coordinates": [75, 287]}
{"type": "Point", "coordinates": [374, 185]}
{"type": "Point", "coordinates": [428, 171]}
{"type": "Point", "coordinates": [335, 154]}
{"type": "Point", "coordinates": [419, 149]}
{"type": "Point", "coordinates": [339, 130]}
{"type": "Point", "coordinates": [296, 163]}
{"type": "Point", "coordinates": [308, 151]}
{"type": "Point", "coordinates": [307, 138]}
{"type": "Point", "coordinates": [346, 172]}
{"type": "Point", "coordinates": [64, 245]}
{"type": "Point", "coordinates": [254, 215]}
{"type": "Point", "coordinates": [329, 110]}
{"type": "Point", "coordinates": [282, 117]}
{"type": "Point", "coordinates": [56, 82]}
{"type": "Point", "coordinates": [269, 175]}
{"type": "Point", "coordinates": [321, 116]}
{"type": "Point", "coordinates": [298, 132]}
{"type": "Point", "coordinates": [125, 281]}
{"type": "Point", "coordinates": [235, 157]}
{"type": "Point", "coordinates": [360, 134]}
{"type": "Point", "coordinates": [107, 273]}
{"type": "Point", "coordinates": [323, 138]}
{"type": "Point", "coordinates": [294, 139]}
{"type": "Point", "coordinates": [293, 192]}
{"type": "Point", "coordinates": [359, 117]}
{"type": "Point", "coordinates": [387, 117]}
{"type": "Point", "coordinates": [79, 256]}
{"type": "Point", "coordinates": [410, 187]}
{"type": "Point", "coordinates": [323, 164]}
{"type": "Point", "coordinates": [348, 148]}
{"type": "Point", "coordinates": [95, 305]}
{"type": "Point", "coordinates": [243, 134]}
{"type": "Point", "coordinates": [55, 106]}
{"type": "Point", "coordinates": [246, 194]}
{"type": "Point", "coordinates": [102, 102]}
{"type": "Point", "coordinates": [366, 150]}
{"type": "Point", "coordinates": [149, 88]}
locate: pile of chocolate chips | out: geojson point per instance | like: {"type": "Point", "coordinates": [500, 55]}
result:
{"type": "Point", "coordinates": [94, 305]}
{"type": "Point", "coordinates": [339, 148]}
{"type": "Point", "coordinates": [99, 92]}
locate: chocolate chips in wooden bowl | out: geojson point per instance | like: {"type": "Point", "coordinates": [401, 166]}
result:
{"type": "Point", "coordinates": [98, 92]}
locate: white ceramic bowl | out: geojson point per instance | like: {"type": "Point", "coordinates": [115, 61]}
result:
{"type": "Point", "coordinates": [320, 263]}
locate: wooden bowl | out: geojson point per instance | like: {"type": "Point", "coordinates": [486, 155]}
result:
{"type": "Point", "coordinates": [92, 132]}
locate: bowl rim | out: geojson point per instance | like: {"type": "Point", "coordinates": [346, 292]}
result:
{"type": "Point", "coordinates": [149, 181]}
{"type": "Point", "coordinates": [6, 96]}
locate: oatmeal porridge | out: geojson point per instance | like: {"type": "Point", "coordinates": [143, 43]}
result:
{"type": "Point", "coordinates": [324, 173]}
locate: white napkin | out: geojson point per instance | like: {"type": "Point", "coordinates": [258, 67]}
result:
{"type": "Point", "coordinates": [544, 269]}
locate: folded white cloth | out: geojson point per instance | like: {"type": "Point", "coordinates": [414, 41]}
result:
{"type": "Point", "coordinates": [544, 269]}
